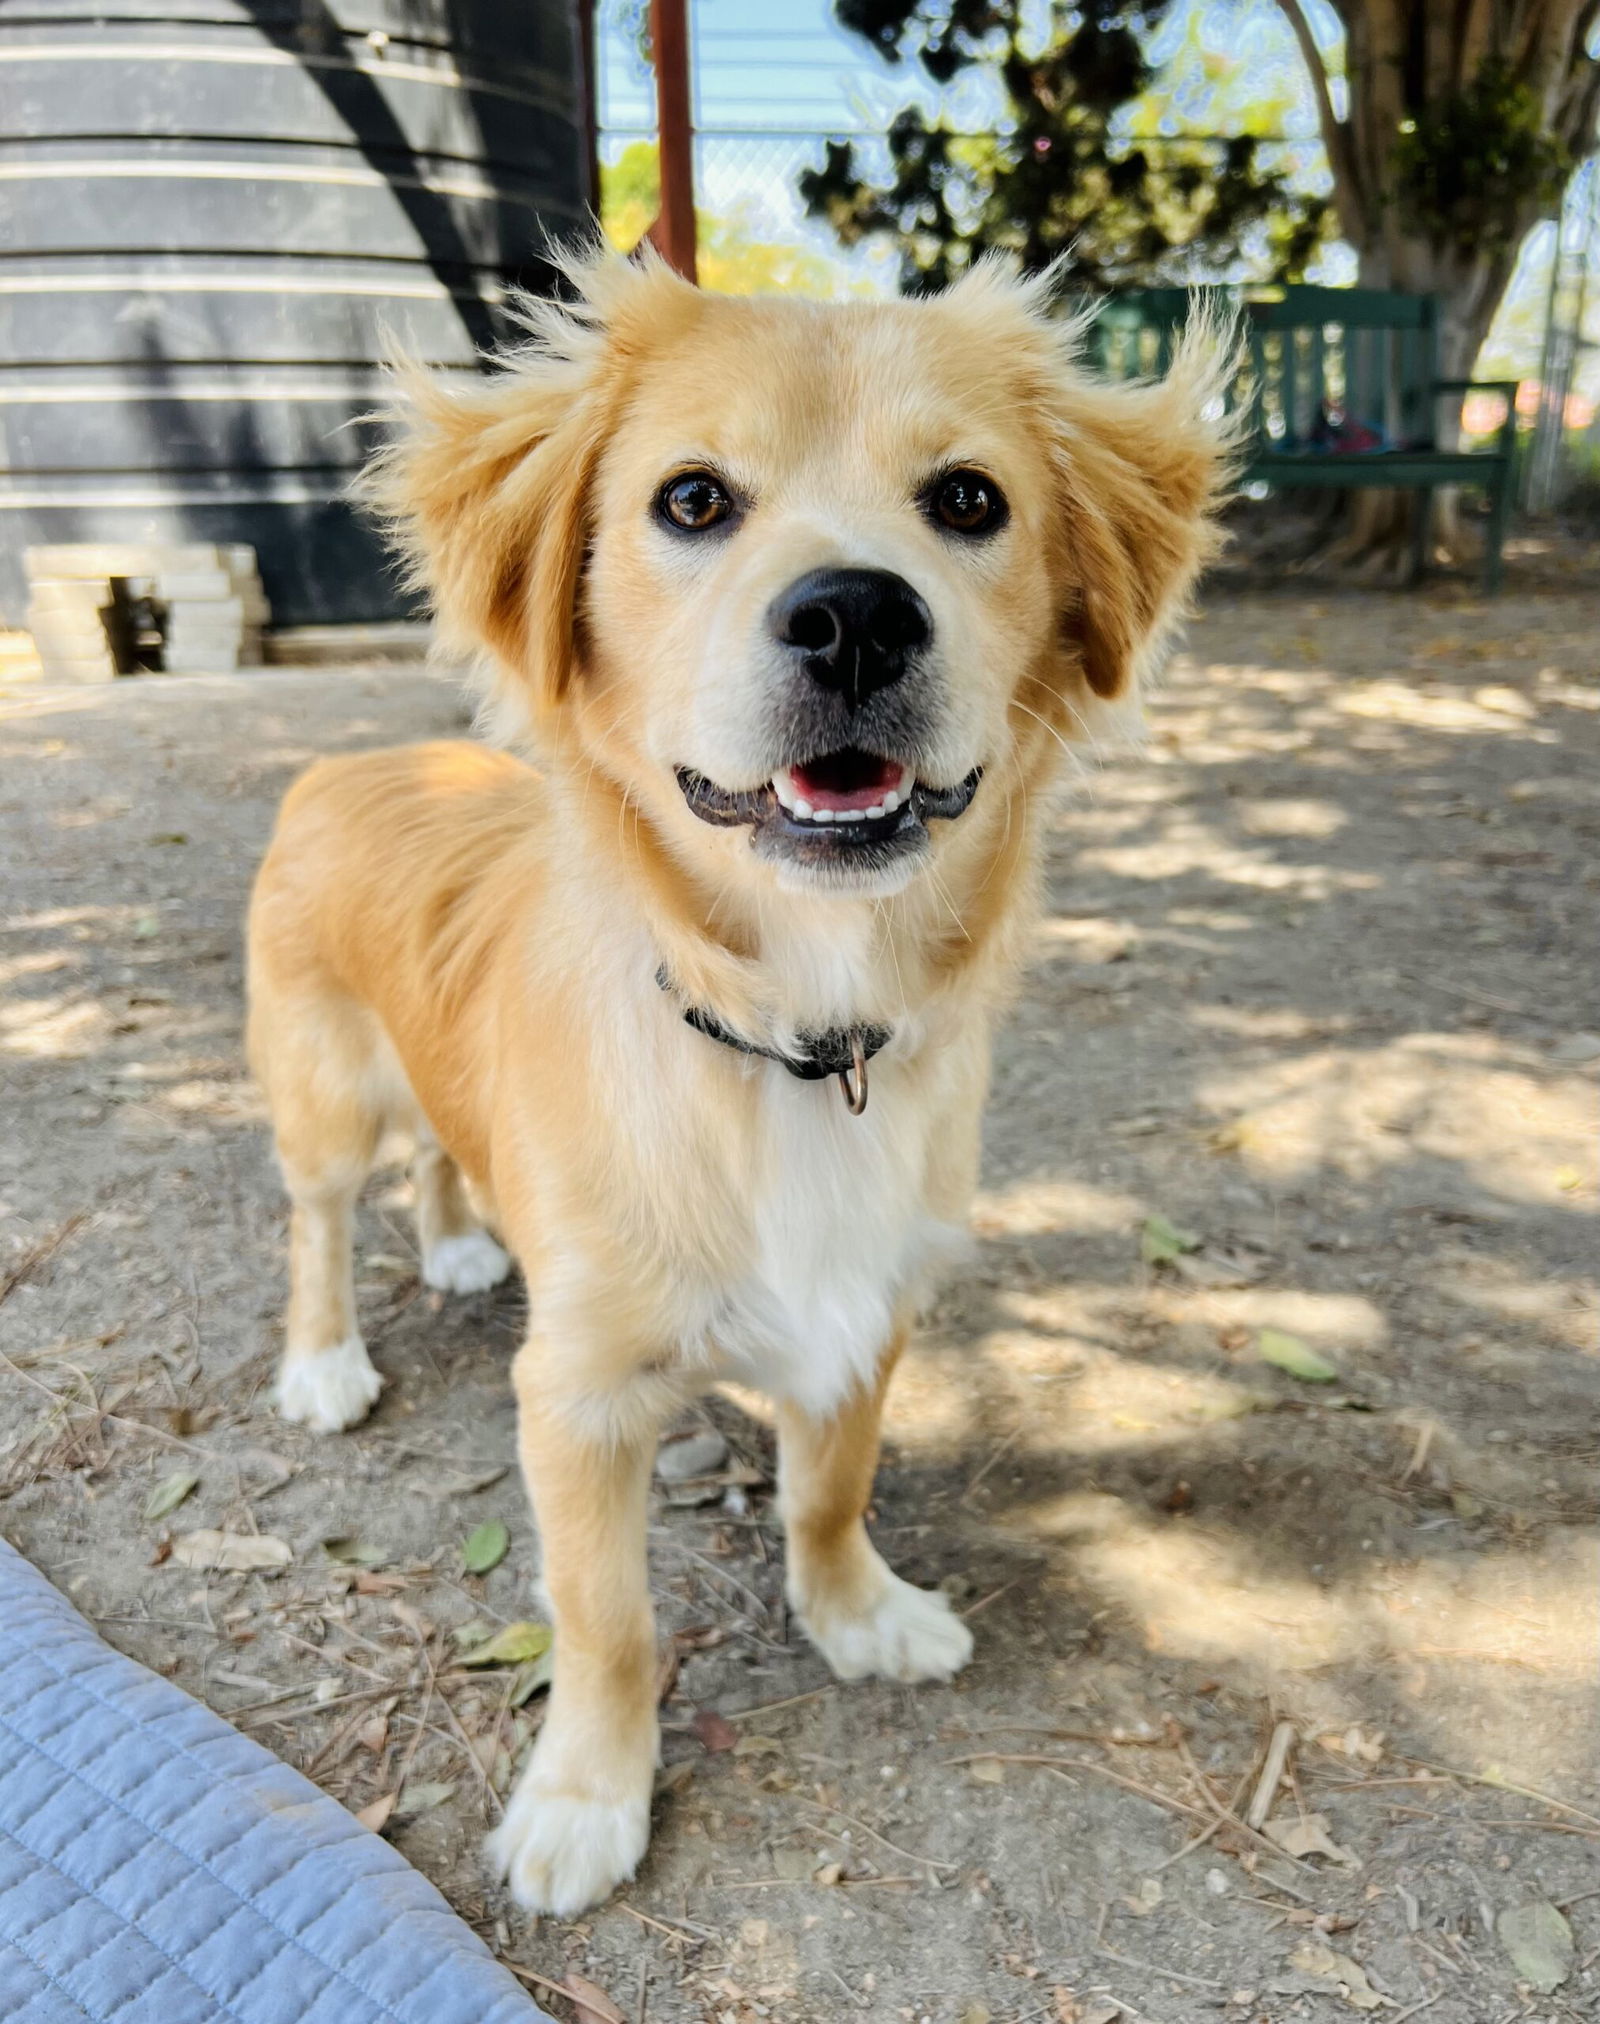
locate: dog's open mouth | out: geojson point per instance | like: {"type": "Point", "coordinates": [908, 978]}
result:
{"type": "Point", "coordinates": [833, 808]}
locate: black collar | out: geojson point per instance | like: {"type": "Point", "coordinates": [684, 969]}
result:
{"type": "Point", "coordinates": [838, 1051]}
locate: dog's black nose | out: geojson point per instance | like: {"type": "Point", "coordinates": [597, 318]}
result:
{"type": "Point", "coordinates": [854, 630]}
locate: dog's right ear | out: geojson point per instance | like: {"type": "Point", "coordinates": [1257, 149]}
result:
{"type": "Point", "coordinates": [485, 488]}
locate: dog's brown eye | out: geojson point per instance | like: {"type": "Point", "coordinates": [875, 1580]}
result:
{"type": "Point", "coordinates": [968, 503]}
{"type": "Point", "coordinates": [695, 502]}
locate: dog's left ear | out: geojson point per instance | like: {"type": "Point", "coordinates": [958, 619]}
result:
{"type": "Point", "coordinates": [1142, 470]}
{"type": "Point", "coordinates": [485, 488]}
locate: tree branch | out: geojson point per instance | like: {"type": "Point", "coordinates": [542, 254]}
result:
{"type": "Point", "coordinates": [1342, 162]}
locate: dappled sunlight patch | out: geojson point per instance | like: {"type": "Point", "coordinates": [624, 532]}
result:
{"type": "Point", "coordinates": [1460, 1642]}
{"type": "Point", "coordinates": [53, 1029]}
{"type": "Point", "coordinates": [89, 814]}
{"type": "Point", "coordinates": [1291, 817]}
{"type": "Point", "coordinates": [1565, 1311]}
{"type": "Point", "coordinates": [1391, 701]}
{"type": "Point", "coordinates": [1192, 847]}
{"type": "Point", "coordinates": [83, 917]}
{"type": "Point", "coordinates": [1333, 1321]}
{"type": "Point", "coordinates": [1115, 1403]}
{"type": "Point", "coordinates": [229, 1101]}
{"type": "Point", "coordinates": [1425, 1095]}
{"type": "Point", "coordinates": [1277, 1023]}
{"type": "Point", "coordinates": [1035, 1208]}
{"type": "Point", "coordinates": [38, 963]}
{"type": "Point", "coordinates": [1091, 939]}
{"type": "Point", "coordinates": [1197, 1593]}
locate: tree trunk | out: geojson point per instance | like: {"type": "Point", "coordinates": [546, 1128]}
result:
{"type": "Point", "coordinates": [1403, 57]}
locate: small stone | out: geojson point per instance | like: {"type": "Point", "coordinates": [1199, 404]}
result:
{"type": "Point", "coordinates": [691, 1455]}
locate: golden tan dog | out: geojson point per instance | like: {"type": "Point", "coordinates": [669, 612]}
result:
{"type": "Point", "coordinates": [796, 603]}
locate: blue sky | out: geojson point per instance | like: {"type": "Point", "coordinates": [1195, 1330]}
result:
{"type": "Point", "coordinates": [786, 64]}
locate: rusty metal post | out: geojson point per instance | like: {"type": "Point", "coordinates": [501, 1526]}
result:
{"type": "Point", "coordinates": [674, 231]}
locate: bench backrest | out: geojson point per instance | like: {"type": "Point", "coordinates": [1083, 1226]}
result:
{"type": "Point", "coordinates": [1369, 352]}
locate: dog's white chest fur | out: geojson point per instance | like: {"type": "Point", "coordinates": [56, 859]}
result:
{"type": "Point", "coordinates": [841, 1240]}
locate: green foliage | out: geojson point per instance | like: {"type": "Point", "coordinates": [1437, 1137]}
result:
{"type": "Point", "coordinates": [1468, 165]}
{"type": "Point", "coordinates": [733, 257]}
{"type": "Point", "coordinates": [1069, 167]}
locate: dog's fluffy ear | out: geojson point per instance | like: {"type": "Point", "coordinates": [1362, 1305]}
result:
{"type": "Point", "coordinates": [484, 487]}
{"type": "Point", "coordinates": [1141, 468]}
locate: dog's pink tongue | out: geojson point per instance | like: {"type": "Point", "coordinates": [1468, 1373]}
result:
{"type": "Point", "coordinates": [827, 785]}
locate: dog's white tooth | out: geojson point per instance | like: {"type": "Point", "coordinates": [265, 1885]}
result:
{"type": "Point", "coordinates": [782, 788]}
{"type": "Point", "coordinates": [873, 814]}
{"type": "Point", "coordinates": [825, 815]}
{"type": "Point", "coordinates": [891, 801]}
{"type": "Point", "coordinates": [802, 808]}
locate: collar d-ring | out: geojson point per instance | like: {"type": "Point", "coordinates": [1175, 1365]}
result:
{"type": "Point", "coordinates": [853, 1080]}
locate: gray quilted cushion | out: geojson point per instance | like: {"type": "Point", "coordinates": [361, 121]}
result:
{"type": "Point", "coordinates": [157, 1867]}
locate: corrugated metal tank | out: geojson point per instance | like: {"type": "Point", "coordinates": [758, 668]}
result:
{"type": "Point", "coordinates": [209, 227]}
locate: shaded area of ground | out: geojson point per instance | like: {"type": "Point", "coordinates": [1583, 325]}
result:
{"type": "Point", "coordinates": [1314, 985]}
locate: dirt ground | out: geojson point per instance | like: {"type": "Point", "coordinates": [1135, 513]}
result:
{"type": "Point", "coordinates": [1317, 986]}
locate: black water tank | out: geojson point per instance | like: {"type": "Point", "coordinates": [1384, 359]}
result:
{"type": "Point", "coordinates": [210, 220]}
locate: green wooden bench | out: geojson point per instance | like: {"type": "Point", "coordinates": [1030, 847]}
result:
{"type": "Point", "coordinates": [1318, 360]}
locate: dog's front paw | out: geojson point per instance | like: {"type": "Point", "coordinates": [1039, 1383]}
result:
{"type": "Point", "coordinates": [327, 1389]}
{"type": "Point", "coordinates": [470, 1263]}
{"type": "Point", "coordinates": [562, 1849]}
{"type": "Point", "coordinates": [905, 1633]}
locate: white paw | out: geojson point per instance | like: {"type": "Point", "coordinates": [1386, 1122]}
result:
{"type": "Point", "coordinates": [908, 1634]}
{"type": "Point", "coordinates": [469, 1264]}
{"type": "Point", "coordinates": [327, 1389]}
{"type": "Point", "coordinates": [562, 1852]}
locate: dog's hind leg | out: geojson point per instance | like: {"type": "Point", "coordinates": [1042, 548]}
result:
{"type": "Point", "coordinates": [324, 1084]}
{"type": "Point", "coordinates": [863, 1619]}
{"type": "Point", "coordinates": [458, 1254]}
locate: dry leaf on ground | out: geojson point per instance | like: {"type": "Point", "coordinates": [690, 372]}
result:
{"type": "Point", "coordinates": [514, 1645]}
{"type": "Point", "coordinates": [1298, 1358]}
{"type": "Point", "coordinates": [169, 1493]}
{"type": "Point", "coordinates": [485, 1547]}
{"type": "Point", "coordinates": [232, 1552]}
{"type": "Point", "coordinates": [376, 1816]}
{"type": "Point", "coordinates": [422, 1796]}
{"type": "Point", "coordinates": [593, 2005]}
{"type": "Point", "coordinates": [1540, 1944]}
{"type": "Point", "coordinates": [1161, 1242]}
{"type": "Point", "coordinates": [714, 1731]}
{"type": "Point", "coordinates": [1309, 1836]}
{"type": "Point", "coordinates": [1322, 1964]}
{"type": "Point", "coordinates": [352, 1552]}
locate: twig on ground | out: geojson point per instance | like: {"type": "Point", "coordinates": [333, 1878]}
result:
{"type": "Point", "coordinates": [312, 1707]}
{"type": "Point", "coordinates": [1400, 2016]}
{"type": "Point", "coordinates": [994, 1595]}
{"type": "Point", "coordinates": [675, 1929]}
{"type": "Point", "coordinates": [539, 1981]}
{"type": "Point", "coordinates": [1502, 1785]}
{"type": "Point", "coordinates": [772, 1707]}
{"type": "Point", "coordinates": [36, 1253]}
{"type": "Point", "coordinates": [1283, 1741]}
{"type": "Point", "coordinates": [1010, 1441]}
{"type": "Point", "coordinates": [1063, 1764]}
{"type": "Point", "coordinates": [1150, 1968]}
{"type": "Point", "coordinates": [909, 1855]}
